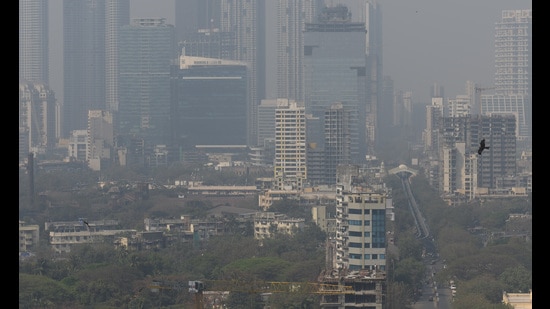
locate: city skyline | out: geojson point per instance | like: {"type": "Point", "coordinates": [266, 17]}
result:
{"type": "Point", "coordinates": [465, 53]}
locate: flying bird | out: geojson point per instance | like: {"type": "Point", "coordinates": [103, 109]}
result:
{"type": "Point", "coordinates": [85, 222]}
{"type": "Point", "coordinates": [482, 147]}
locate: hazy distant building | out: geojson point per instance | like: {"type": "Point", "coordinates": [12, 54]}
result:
{"type": "Point", "coordinates": [77, 146]}
{"type": "Point", "coordinates": [290, 171]}
{"type": "Point", "coordinates": [437, 91]}
{"type": "Point", "coordinates": [100, 139]}
{"type": "Point", "coordinates": [460, 106]}
{"type": "Point", "coordinates": [292, 15]}
{"type": "Point", "coordinates": [514, 71]}
{"type": "Point", "coordinates": [192, 15]}
{"type": "Point", "coordinates": [37, 118]}
{"type": "Point", "coordinates": [212, 101]}
{"type": "Point", "coordinates": [434, 115]}
{"type": "Point", "coordinates": [146, 52]}
{"type": "Point", "coordinates": [385, 109]}
{"type": "Point", "coordinates": [83, 61]}
{"type": "Point", "coordinates": [461, 169]}
{"type": "Point", "coordinates": [33, 41]}
{"type": "Point", "coordinates": [90, 45]}
{"type": "Point", "coordinates": [245, 18]}
{"type": "Point", "coordinates": [402, 108]}
{"type": "Point", "coordinates": [335, 70]}
{"type": "Point", "coordinates": [338, 145]}
{"type": "Point", "coordinates": [264, 153]}
{"type": "Point", "coordinates": [370, 12]}
{"type": "Point", "coordinates": [514, 53]}
{"type": "Point", "coordinates": [266, 120]}
{"type": "Point", "coordinates": [209, 44]}
{"type": "Point", "coordinates": [515, 105]}
{"type": "Point", "coordinates": [117, 14]}
{"type": "Point", "coordinates": [499, 161]}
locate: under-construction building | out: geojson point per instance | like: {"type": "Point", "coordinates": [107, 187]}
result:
{"type": "Point", "coordinates": [356, 257]}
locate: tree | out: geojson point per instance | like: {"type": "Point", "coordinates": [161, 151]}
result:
{"type": "Point", "coordinates": [517, 279]}
{"type": "Point", "coordinates": [409, 271]}
{"type": "Point", "coordinates": [37, 290]}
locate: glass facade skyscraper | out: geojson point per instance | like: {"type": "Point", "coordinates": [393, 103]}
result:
{"type": "Point", "coordinates": [211, 98]}
{"type": "Point", "coordinates": [83, 61]}
{"type": "Point", "coordinates": [33, 40]}
{"type": "Point", "coordinates": [146, 52]}
{"type": "Point", "coordinates": [335, 71]}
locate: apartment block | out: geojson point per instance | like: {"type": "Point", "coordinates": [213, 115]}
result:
{"type": "Point", "coordinates": [290, 171]}
{"type": "Point", "coordinates": [29, 237]}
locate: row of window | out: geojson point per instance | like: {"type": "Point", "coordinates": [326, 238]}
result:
{"type": "Point", "coordinates": [377, 244]}
{"type": "Point", "coordinates": [367, 256]}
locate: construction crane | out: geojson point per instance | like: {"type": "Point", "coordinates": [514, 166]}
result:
{"type": "Point", "coordinates": [242, 286]}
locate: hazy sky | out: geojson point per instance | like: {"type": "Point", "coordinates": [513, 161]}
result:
{"type": "Point", "coordinates": [425, 41]}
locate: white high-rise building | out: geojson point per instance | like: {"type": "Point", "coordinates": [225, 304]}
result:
{"type": "Point", "coordinates": [290, 145]}
{"type": "Point", "coordinates": [514, 74]}
{"type": "Point", "coordinates": [514, 53]}
{"type": "Point", "coordinates": [360, 222]}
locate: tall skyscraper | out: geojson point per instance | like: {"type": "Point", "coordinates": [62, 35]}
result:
{"type": "Point", "coordinates": [83, 61]}
{"type": "Point", "coordinates": [117, 14]}
{"type": "Point", "coordinates": [335, 70]}
{"type": "Point", "coordinates": [146, 53]}
{"type": "Point", "coordinates": [90, 31]}
{"type": "Point", "coordinates": [514, 72]}
{"type": "Point", "coordinates": [370, 13]}
{"type": "Point", "coordinates": [245, 18]}
{"type": "Point", "coordinates": [292, 15]}
{"type": "Point", "coordinates": [192, 15]}
{"type": "Point", "coordinates": [33, 41]}
{"type": "Point", "coordinates": [514, 53]}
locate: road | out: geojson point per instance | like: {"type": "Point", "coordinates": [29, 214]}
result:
{"type": "Point", "coordinates": [439, 292]}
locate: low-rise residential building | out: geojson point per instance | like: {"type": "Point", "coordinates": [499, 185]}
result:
{"type": "Point", "coordinates": [29, 236]}
{"type": "Point", "coordinates": [518, 300]}
{"type": "Point", "coordinates": [266, 224]}
{"type": "Point", "coordinates": [64, 235]}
